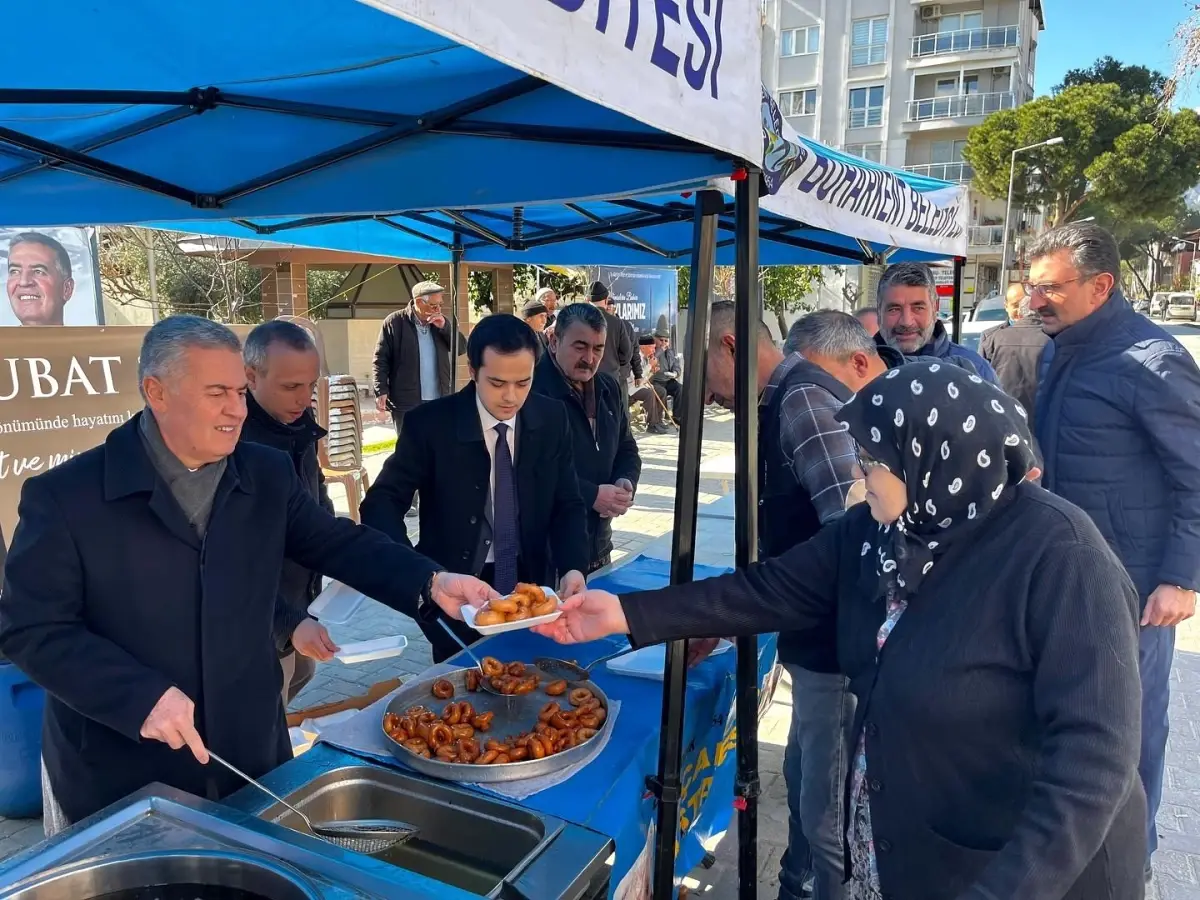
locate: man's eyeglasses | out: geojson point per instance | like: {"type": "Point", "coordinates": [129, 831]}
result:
{"type": "Point", "coordinates": [1050, 287]}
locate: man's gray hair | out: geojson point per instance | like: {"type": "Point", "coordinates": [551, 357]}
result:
{"type": "Point", "coordinates": [828, 332]}
{"type": "Point", "coordinates": [1093, 249]}
{"type": "Point", "coordinates": [277, 331]}
{"type": "Point", "coordinates": [166, 341]}
{"type": "Point", "coordinates": [865, 310]}
{"type": "Point", "coordinates": [543, 293]}
{"type": "Point", "coordinates": [585, 313]}
{"type": "Point", "coordinates": [721, 319]}
{"type": "Point", "coordinates": [907, 274]}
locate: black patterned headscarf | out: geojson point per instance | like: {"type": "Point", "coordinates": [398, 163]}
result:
{"type": "Point", "coordinates": [959, 444]}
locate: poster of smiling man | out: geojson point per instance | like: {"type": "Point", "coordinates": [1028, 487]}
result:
{"type": "Point", "coordinates": [50, 277]}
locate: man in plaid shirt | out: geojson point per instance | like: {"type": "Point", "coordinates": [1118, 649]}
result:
{"type": "Point", "coordinates": [805, 478]}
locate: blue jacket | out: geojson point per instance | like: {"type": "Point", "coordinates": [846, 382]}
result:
{"type": "Point", "coordinates": [1118, 422]}
{"type": "Point", "coordinates": [942, 347]}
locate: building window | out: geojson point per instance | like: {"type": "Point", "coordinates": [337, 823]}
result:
{"type": "Point", "coordinates": [868, 41]}
{"type": "Point", "coordinates": [798, 103]}
{"type": "Point", "coordinates": [866, 106]}
{"type": "Point", "coordinates": [800, 41]}
{"type": "Point", "coordinates": [870, 152]}
{"type": "Point", "coordinates": [960, 22]}
{"type": "Point", "coordinates": [946, 151]}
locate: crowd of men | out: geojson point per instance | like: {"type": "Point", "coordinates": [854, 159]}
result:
{"type": "Point", "coordinates": [213, 495]}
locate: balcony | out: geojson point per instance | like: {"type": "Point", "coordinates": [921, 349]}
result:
{"type": "Point", "coordinates": [985, 235]}
{"type": "Point", "coordinates": [960, 106]}
{"type": "Point", "coordinates": [968, 40]}
{"type": "Point", "coordinates": [958, 172]}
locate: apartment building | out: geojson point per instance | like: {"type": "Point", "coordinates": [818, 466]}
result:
{"type": "Point", "coordinates": [902, 82]}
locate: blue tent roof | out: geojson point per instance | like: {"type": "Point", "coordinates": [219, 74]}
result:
{"type": "Point", "coordinates": [647, 231]}
{"type": "Point", "coordinates": [144, 111]}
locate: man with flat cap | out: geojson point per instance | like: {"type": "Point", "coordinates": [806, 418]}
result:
{"type": "Point", "coordinates": [620, 354]}
{"type": "Point", "coordinates": [652, 397]}
{"type": "Point", "coordinates": [536, 314]}
{"type": "Point", "coordinates": [412, 358]}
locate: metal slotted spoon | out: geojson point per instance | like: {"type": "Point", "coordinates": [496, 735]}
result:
{"type": "Point", "coordinates": [573, 671]}
{"type": "Point", "coordinates": [358, 835]}
{"type": "Point", "coordinates": [485, 683]}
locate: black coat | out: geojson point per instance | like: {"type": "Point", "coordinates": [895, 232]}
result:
{"type": "Point", "coordinates": [1015, 352]}
{"type": "Point", "coordinates": [600, 458]}
{"type": "Point", "coordinates": [298, 586]}
{"type": "Point", "coordinates": [1002, 719]}
{"type": "Point", "coordinates": [441, 454]}
{"type": "Point", "coordinates": [619, 348]}
{"type": "Point", "coordinates": [397, 366]}
{"type": "Point", "coordinates": [110, 599]}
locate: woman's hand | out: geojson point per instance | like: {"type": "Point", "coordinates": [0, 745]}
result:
{"type": "Point", "coordinates": [586, 617]}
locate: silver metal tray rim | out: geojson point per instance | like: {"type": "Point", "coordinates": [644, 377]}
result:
{"type": "Point", "coordinates": [418, 693]}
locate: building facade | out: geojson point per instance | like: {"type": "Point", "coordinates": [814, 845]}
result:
{"type": "Point", "coordinates": [902, 82]}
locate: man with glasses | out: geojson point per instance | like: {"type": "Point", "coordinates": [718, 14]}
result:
{"type": "Point", "coordinates": [1118, 423]}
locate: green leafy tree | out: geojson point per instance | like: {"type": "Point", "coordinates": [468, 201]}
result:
{"type": "Point", "coordinates": [1136, 80]}
{"type": "Point", "coordinates": [1119, 149]}
{"type": "Point", "coordinates": [566, 283]}
{"type": "Point", "coordinates": [785, 289]}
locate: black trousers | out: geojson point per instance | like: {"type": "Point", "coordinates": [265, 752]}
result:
{"type": "Point", "coordinates": [398, 421]}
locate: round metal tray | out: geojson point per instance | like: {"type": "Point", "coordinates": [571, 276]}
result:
{"type": "Point", "coordinates": [513, 715]}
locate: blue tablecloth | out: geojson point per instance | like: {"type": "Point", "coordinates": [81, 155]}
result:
{"type": "Point", "coordinates": [610, 795]}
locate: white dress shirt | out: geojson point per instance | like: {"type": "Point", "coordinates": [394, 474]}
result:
{"type": "Point", "coordinates": [489, 422]}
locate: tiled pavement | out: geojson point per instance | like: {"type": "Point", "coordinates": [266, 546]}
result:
{"type": "Point", "coordinates": [1177, 863]}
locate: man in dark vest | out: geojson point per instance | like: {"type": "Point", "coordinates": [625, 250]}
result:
{"type": "Point", "coordinates": [806, 465]}
{"type": "Point", "coordinates": [282, 368]}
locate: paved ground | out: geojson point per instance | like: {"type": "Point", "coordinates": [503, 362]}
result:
{"type": "Point", "coordinates": [1178, 859]}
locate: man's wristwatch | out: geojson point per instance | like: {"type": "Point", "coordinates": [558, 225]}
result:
{"type": "Point", "coordinates": [427, 608]}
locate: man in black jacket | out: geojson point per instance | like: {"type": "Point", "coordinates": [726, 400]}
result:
{"type": "Point", "coordinates": [498, 461]}
{"type": "Point", "coordinates": [607, 462]}
{"type": "Point", "coordinates": [1015, 350]}
{"type": "Point", "coordinates": [282, 369]}
{"type": "Point", "coordinates": [620, 349]}
{"type": "Point", "coordinates": [142, 585]}
{"type": "Point", "coordinates": [412, 358]}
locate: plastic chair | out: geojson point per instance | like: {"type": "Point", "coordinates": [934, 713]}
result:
{"type": "Point", "coordinates": [340, 451]}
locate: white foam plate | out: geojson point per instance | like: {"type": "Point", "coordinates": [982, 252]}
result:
{"type": "Point", "coordinates": [469, 612]}
{"type": "Point", "coordinates": [365, 651]}
{"type": "Point", "coordinates": [649, 662]}
{"type": "Point", "coordinates": [336, 604]}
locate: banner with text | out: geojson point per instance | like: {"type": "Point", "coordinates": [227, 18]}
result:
{"type": "Point", "coordinates": [50, 277]}
{"type": "Point", "coordinates": [62, 390]}
{"type": "Point", "coordinates": [687, 67]}
{"type": "Point", "coordinates": [825, 188]}
{"type": "Point", "coordinates": [646, 298]}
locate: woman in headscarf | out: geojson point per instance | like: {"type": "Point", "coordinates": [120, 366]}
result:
{"type": "Point", "coordinates": [990, 636]}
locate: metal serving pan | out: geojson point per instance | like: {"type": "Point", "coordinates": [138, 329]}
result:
{"type": "Point", "coordinates": [512, 716]}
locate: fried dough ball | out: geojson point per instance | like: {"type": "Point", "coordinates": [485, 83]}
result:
{"type": "Point", "coordinates": [556, 688]}
{"type": "Point", "coordinates": [492, 667]}
{"type": "Point", "coordinates": [488, 617]}
{"type": "Point", "coordinates": [443, 689]}
{"type": "Point", "coordinates": [473, 679]}
{"type": "Point", "coordinates": [580, 696]}
{"type": "Point", "coordinates": [545, 608]}
{"type": "Point", "coordinates": [535, 593]}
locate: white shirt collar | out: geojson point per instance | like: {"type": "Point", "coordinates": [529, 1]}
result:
{"type": "Point", "coordinates": [487, 420]}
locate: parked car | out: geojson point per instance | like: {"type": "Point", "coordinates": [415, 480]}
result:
{"type": "Point", "coordinates": [1181, 306]}
{"type": "Point", "coordinates": [1158, 304]}
{"type": "Point", "coordinates": [1140, 304]}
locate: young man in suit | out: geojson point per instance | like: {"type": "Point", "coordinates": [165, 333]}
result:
{"type": "Point", "coordinates": [495, 466]}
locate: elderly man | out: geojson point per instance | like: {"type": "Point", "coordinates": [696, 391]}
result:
{"type": "Point", "coordinates": [805, 477]}
{"type": "Point", "coordinates": [412, 357]}
{"type": "Point", "coordinates": [548, 299]}
{"type": "Point", "coordinates": [39, 279]}
{"type": "Point", "coordinates": [1015, 349]}
{"type": "Point", "coordinates": [651, 396]}
{"type": "Point", "coordinates": [607, 461]}
{"type": "Point", "coordinates": [908, 319]}
{"type": "Point", "coordinates": [1118, 422]}
{"type": "Point", "coordinates": [282, 369]}
{"type": "Point", "coordinates": [142, 586]}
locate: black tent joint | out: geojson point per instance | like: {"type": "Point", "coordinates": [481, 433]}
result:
{"type": "Point", "coordinates": [665, 791]}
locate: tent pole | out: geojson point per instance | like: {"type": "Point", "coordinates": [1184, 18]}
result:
{"type": "Point", "coordinates": [956, 300]}
{"type": "Point", "coordinates": [665, 785]}
{"type": "Point", "coordinates": [456, 253]}
{"type": "Point", "coordinates": [747, 315]}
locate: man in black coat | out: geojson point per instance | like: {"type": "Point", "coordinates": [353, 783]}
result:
{"type": "Point", "coordinates": [142, 585]}
{"type": "Point", "coordinates": [1015, 350]}
{"type": "Point", "coordinates": [282, 369]}
{"type": "Point", "coordinates": [412, 358]}
{"type": "Point", "coordinates": [498, 461]}
{"type": "Point", "coordinates": [620, 348]}
{"type": "Point", "coordinates": [607, 461]}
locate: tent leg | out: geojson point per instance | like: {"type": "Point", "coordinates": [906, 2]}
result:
{"type": "Point", "coordinates": [956, 300]}
{"type": "Point", "coordinates": [456, 253]}
{"type": "Point", "coordinates": [747, 315]}
{"type": "Point", "coordinates": [683, 542]}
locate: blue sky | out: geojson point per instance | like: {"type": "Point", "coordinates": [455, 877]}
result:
{"type": "Point", "coordinates": [1136, 32]}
